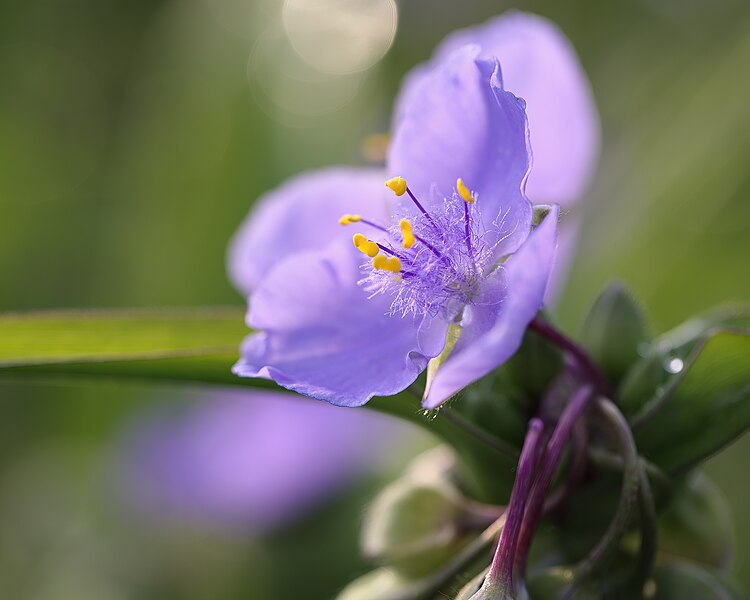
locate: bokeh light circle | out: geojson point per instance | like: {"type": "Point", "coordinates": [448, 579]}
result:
{"type": "Point", "coordinates": [340, 36]}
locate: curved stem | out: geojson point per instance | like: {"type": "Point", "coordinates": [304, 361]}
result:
{"type": "Point", "coordinates": [617, 428]}
{"type": "Point", "coordinates": [559, 339]}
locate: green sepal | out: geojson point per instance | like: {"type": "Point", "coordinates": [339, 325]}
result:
{"type": "Point", "coordinates": [614, 331]}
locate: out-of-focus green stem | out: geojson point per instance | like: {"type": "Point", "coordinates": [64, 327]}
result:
{"type": "Point", "coordinates": [616, 427]}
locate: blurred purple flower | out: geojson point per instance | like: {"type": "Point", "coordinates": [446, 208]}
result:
{"type": "Point", "coordinates": [341, 329]}
{"type": "Point", "coordinates": [249, 460]}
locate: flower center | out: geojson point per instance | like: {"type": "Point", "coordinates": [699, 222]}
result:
{"type": "Point", "coordinates": [432, 263]}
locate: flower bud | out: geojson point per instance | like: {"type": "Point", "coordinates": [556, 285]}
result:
{"type": "Point", "coordinates": [381, 584]}
{"type": "Point", "coordinates": [613, 331]}
{"type": "Point", "coordinates": [413, 526]}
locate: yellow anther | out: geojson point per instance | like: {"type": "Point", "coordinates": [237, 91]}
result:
{"type": "Point", "coordinates": [397, 184]}
{"type": "Point", "coordinates": [365, 246]}
{"type": "Point", "coordinates": [387, 263]}
{"type": "Point", "coordinates": [349, 219]}
{"type": "Point", "coordinates": [464, 191]}
{"type": "Point", "coordinates": [407, 233]}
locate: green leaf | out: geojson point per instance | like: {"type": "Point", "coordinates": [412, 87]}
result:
{"type": "Point", "coordinates": [704, 407]}
{"type": "Point", "coordinates": [663, 362]}
{"type": "Point", "coordinates": [41, 340]}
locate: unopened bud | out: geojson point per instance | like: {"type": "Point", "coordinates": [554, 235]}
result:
{"type": "Point", "coordinates": [613, 331]}
{"type": "Point", "coordinates": [381, 584]}
{"type": "Point", "coordinates": [413, 526]}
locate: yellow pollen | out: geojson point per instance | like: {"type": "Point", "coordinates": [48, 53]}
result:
{"type": "Point", "coordinates": [365, 246]}
{"type": "Point", "coordinates": [349, 219]}
{"type": "Point", "coordinates": [397, 184]}
{"type": "Point", "coordinates": [386, 263]}
{"type": "Point", "coordinates": [407, 233]}
{"type": "Point", "coordinates": [464, 191]}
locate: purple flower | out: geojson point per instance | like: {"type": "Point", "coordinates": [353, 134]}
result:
{"type": "Point", "coordinates": [539, 65]}
{"type": "Point", "coordinates": [452, 269]}
{"type": "Point", "coordinates": [253, 461]}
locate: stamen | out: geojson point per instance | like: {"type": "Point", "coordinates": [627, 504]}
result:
{"type": "Point", "coordinates": [397, 184]}
{"type": "Point", "coordinates": [399, 187]}
{"type": "Point", "coordinates": [365, 246]}
{"type": "Point", "coordinates": [468, 197]}
{"type": "Point", "coordinates": [407, 233]}
{"type": "Point", "coordinates": [349, 219]}
{"type": "Point", "coordinates": [385, 263]}
{"type": "Point", "coordinates": [465, 192]}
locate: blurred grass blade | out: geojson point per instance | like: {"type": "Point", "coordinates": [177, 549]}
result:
{"type": "Point", "coordinates": [177, 342]}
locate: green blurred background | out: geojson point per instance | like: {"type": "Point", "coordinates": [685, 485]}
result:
{"type": "Point", "coordinates": [134, 137]}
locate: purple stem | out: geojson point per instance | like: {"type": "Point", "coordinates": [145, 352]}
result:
{"type": "Point", "coordinates": [501, 571]}
{"type": "Point", "coordinates": [588, 366]}
{"type": "Point", "coordinates": [555, 448]}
